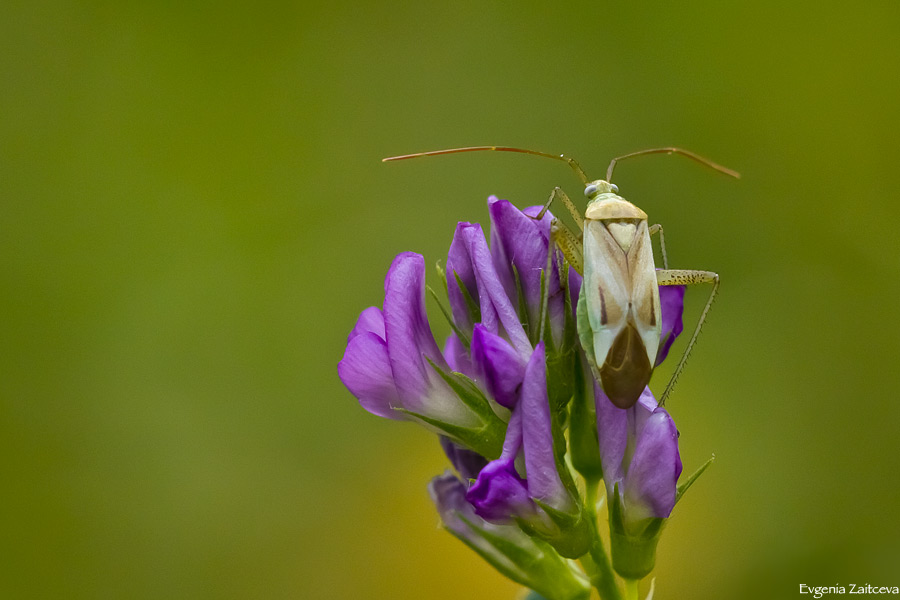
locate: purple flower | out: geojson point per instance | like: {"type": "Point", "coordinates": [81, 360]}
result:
{"type": "Point", "coordinates": [386, 365]}
{"type": "Point", "coordinates": [519, 247]}
{"type": "Point", "coordinates": [393, 366]}
{"type": "Point", "coordinates": [475, 291]}
{"type": "Point", "coordinates": [541, 502]}
{"type": "Point", "coordinates": [641, 466]}
{"type": "Point", "coordinates": [639, 450]}
{"type": "Point", "coordinates": [523, 559]}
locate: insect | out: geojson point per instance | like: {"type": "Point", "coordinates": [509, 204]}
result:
{"type": "Point", "coordinates": [618, 313]}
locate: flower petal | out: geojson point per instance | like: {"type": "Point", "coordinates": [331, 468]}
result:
{"type": "Point", "coordinates": [544, 482]}
{"type": "Point", "coordinates": [650, 483]}
{"type": "Point", "coordinates": [366, 371]}
{"type": "Point", "coordinates": [406, 324]}
{"type": "Point", "coordinates": [467, 463]}
{"type": "Point", "coordinates": [519, 245]}
{"type": "Point", "coordinates": [470, 260]}
{"type": "Point", "coordinates": [671, 299]}
{"type": "Point", "coordinates": [370, 321]}
{"type": "Point", "coordinates": [458, 358]}
{"type": "Point", "coordinates": [519, 242]}
{"type": "Point", "coordinates": [410, 343]}
{"type": "Point", "coordinates": [500, 366]}
{"type": "Point", "coordinates": [612, 433]}
{"type": "Point", "coordinates": [499, 494]}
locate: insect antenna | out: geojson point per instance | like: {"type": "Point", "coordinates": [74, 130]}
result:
{"type": "Point", "coordinates": [687, 153]}
{"type": "Point", "coordinates": [571, 161]}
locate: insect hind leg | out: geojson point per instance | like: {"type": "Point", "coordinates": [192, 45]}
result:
{"type": "Point", "coordinates": [687, 277]}
{"type": "Point", "coordinates": [654, 229]}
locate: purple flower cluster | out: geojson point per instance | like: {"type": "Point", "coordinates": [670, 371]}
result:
{"type": "Point", "coordinates": [500, 395]}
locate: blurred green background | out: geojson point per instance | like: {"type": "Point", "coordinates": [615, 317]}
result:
{"type": "Point", "coordinates": [193, 214]}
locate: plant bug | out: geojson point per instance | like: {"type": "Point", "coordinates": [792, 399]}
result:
{"type": "Point", "coordinates": [618, 313]}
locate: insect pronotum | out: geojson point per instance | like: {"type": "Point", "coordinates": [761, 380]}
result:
{"type": "Point", "coordinates": [618, 313]}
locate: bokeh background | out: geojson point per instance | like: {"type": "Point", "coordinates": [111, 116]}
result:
{"type": "Point", "coordinates": [193, 213]}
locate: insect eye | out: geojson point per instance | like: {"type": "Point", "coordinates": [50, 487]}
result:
{"type": "Point", "coordinates": [590, 190]}
{"type": "Point", "coordinates": [614, 188]}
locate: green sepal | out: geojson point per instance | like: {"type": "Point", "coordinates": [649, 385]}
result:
{"type": "Point", "coordinates": [539, 568]}
{"type": "Point", "coordinates": [571, 328]}
{"type": "Point", "coordinates": [543, 322]}
{"type": "Point", "coordinates": [486, 440]}
{"type": "Point", "coordinates": [514, 552]}
{"type": "Point", "coordinates": [467, 391]}
{"type": "Point", "coordinates": [560, 378]}
{"type": "Point", "coordinates": [473, 307]}
{"type": "Point", "coordinates": [522, 308]}
{"type": "Point", "coordinates": [633, 548]}
{"type": "Point", "coordinates": [684, 485]}
{"type": "Point", "coordinates": [442, 275]}
{"type": "Point", "coordinates": [584, 444]}
{"type": "Point", "coordinates": [459, 332]}
{"type": "Point", "coordinates": [575, 534]}
{"type": "Point", "coordinates": [560, 358]}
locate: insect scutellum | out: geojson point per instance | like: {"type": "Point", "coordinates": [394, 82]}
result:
{"type": "Point", "coordinates": [619, 312]}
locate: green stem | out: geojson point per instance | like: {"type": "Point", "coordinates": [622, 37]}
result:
{"type": "Point", "coordinates": [596, 565]}
{"type": "Point", "coordinates": [631, 589]}
{"type": "Point", "coordinates": [591, 486]}
{"type": "Point", "coordinates": [596, 562]}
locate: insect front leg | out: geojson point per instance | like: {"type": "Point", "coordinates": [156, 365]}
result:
{"type": "Point", "coordinates": [561, 235]}
{"type": "Point", "coordinates": [687, 277]}
{"type": "Point", "coordinates": [558, 194]}
{"type": "Point", "coordinates": [569, 243]}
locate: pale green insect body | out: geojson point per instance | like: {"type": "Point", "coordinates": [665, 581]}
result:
{"type": "Point", "coordinates": [619, 321]}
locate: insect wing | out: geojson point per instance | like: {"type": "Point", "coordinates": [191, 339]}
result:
{"type": "Point", "coordinates": [619, 321]}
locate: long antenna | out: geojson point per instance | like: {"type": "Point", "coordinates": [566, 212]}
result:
{"type": "Point", "coordinates": [687, 153]}
{"type": "Point", "coordinates": [571, 161]}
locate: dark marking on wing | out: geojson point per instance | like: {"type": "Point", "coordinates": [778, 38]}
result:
{"type": "Point", "coordinates": [603, 318]}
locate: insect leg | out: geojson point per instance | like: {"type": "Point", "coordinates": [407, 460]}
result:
{"type": "Point", "coordinates": [569, 244]}
{"type": "Point", "coordinates": [557, 193]}
{"type": "Point", "coordinates": [687, 277]}
{"type": "Point", "coordinates": [662, 243]}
